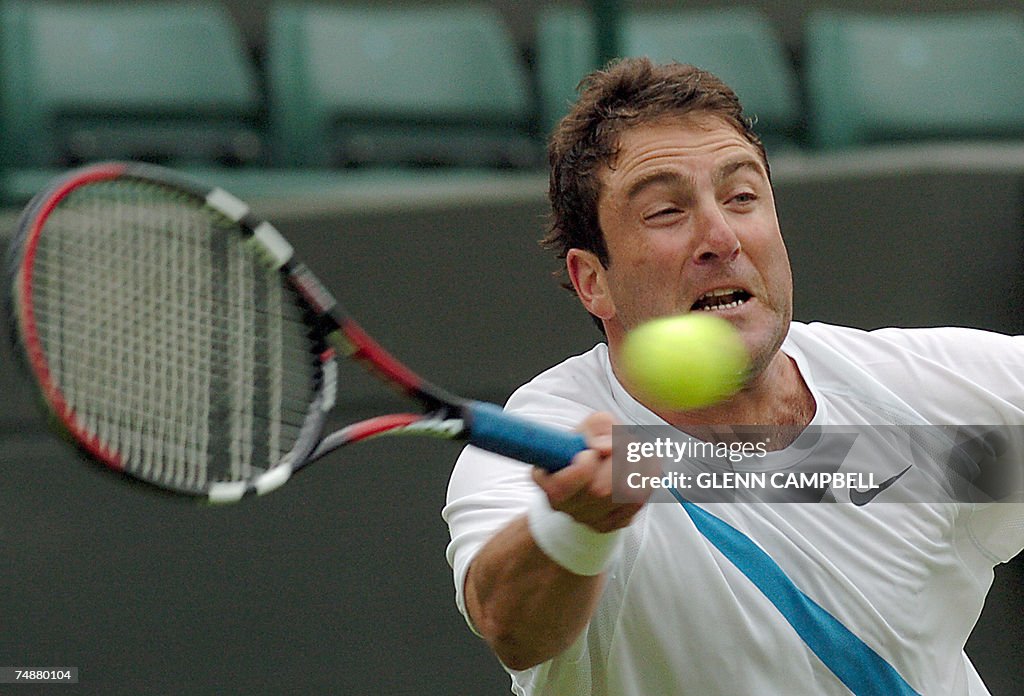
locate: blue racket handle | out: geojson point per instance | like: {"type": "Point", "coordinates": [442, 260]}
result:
{"type": "Point", "coordinates": [492, 429]}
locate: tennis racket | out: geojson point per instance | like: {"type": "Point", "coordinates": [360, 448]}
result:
{"type": "Point", "coordinates": [175, 337]}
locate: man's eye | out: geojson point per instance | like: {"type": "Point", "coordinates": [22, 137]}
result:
{"type": "Point", "coordinates": [662, 213]}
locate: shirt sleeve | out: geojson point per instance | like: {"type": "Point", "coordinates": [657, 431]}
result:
{"type": "Point", "coordinates": [983, 391]}
{"type": "Point", "coordinates": [997, 529]}
{"type": "Point", "coordinates": [486, 492]}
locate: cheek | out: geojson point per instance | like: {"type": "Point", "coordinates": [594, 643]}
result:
{"type": "Point", "coordinates": [772, 263]}
{"type": "Point", "coordinates": [651, 260]}
{"type": "Point", "coordinates": [658, 252]}
{"type": "Point", "coordinates": [777, 257]}
{"type": "Point", "coordinates": [651, 266]}
{"type": "Point", "coordinates": [763, 243]}
{"type": "Point", "coordinates": [643, 290]}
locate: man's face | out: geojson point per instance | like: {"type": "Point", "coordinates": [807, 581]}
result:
{"type": "Point", "coordinates": [689, 219]}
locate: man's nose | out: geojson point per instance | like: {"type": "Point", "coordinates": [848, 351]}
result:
{"type": "Point", "coordinates": [718, 241]}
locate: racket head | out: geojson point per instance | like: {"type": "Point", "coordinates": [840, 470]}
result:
{"type": "Point", "coordinates": [163, 334]}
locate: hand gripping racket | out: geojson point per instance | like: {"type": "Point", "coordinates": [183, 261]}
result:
{"type": "Point", "coordinates": [175, 338]}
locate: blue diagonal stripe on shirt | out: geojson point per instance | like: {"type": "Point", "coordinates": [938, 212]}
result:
{"type": "Point", "coordinates": [859, 667]}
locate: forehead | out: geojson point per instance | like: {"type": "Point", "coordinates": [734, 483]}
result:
{"type": "Point", "coordinates": [692, 140]}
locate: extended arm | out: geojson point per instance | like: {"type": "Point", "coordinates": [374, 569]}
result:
{"type": "Point", "coordinates": [528, 607]}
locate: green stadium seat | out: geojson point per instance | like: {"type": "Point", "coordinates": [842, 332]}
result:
{"type": "Point", "coordinates": [352, 86]}
{"type": "Point", "coordinates": [888, 78]}
{"type": "Point", "coordinates": [737, 44]}
{"type": "Point", "coordinates": [166, 82]}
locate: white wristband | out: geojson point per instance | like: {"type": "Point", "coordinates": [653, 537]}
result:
{"type": "Point", "coordinates": [571, 544]}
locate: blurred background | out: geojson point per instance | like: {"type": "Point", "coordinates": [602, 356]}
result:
{"type": "Point", "coordinates": [402, 150]}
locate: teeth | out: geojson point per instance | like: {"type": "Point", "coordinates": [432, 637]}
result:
{"type": "Point", "coordinates": [715, 308]}
{"type": "Point", "coordinates": [709, 301]}
{"type": "Point", "coordinates": [719, 293]}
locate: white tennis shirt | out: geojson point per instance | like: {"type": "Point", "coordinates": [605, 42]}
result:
{"type": "Point", "coordinates": [677, 617]}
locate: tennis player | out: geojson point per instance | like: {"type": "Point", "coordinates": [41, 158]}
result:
{"type": "Point", "coordinates": [662, 204]}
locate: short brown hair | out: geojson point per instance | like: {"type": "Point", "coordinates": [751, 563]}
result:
{"type": "Point", "coordinates": [629, 92]}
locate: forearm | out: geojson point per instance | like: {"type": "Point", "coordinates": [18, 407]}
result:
{"type": "Point", "coordinates": [527, 607]}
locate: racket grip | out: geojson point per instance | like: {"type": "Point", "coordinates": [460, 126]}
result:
{"type": "Point", "coordinates": [492, 429]}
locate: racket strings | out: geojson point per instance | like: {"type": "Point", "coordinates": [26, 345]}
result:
{"type": "Point", "coordinates": [295, 351]}
{"type": "Point", "coordinates": [169, 339]}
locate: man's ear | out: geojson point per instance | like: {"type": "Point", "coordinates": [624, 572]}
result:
{"type": "Point", "coordinates": [589, 278]}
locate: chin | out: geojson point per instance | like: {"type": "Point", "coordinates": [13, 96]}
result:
{"type": "Point", "coordinates": [763, 343]}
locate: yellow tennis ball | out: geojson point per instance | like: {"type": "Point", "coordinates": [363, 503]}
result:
{"type": "Point", "coordinates": [685, 362]}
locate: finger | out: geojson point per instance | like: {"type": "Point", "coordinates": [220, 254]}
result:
{"type": "Point", "coordinates": [566, 483]}
{"type": "Point", "coordinates": [597, 430]}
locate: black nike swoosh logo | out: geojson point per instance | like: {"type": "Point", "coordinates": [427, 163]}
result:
{"type": "Point", "coordinates": [863, 498]}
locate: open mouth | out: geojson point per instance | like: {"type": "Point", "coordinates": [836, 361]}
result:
{"type": "Point", "coordinates": [720, 300]}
